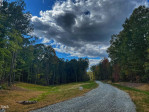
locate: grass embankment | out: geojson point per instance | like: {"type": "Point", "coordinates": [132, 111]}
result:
{"type": "Point", "coordinates": [45, 95]}
{"type": "Point", "coordinates": [139, 95]}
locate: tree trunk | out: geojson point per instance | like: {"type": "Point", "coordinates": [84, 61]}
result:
{"type": "Point", "coordinates": [11, 70]}
{"type": "Point", "coordinates": [47, 72]}
{"type": "Point", "coordinates": [13, 79]}
{"type": "Point", "coordinates": [53, 76]}
{"type": "Point", "coordinates": [76, 77]}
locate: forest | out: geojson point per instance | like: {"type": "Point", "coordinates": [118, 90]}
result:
{"type": "Point", "coordinates": [128, 51]}
{"type": "Point", "coordinates": [21, 59]}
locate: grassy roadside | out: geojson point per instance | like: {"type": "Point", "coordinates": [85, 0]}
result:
{"type": "Point", "coordinates": [139, 97]}
{"type": "Point", "coordinates": [45, 95]}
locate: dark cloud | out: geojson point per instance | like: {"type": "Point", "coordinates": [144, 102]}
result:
{"type": "Point", "coordinates": [66, 21]}
{"type": "Point", "coordinates": [84, 27]}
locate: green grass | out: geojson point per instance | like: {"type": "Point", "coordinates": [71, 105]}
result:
{"type": "Point", "coordinates": [35, 87]}
{"type": "Point", "coordinates": [44, 95]}
{"type": "Point", "coordinates": [139, 97]}
{"type": "Point", "coordinates": [40, 97]}
{"type": "Point", "coordinates": [90, 85]}
{"type": "Point", "coordinates": [131, 89]}
{"type": "Point", "coordinates": [53, 89]}
{"type": "Point", "coordinates": [4, 86]}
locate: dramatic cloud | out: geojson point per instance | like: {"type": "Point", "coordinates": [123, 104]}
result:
{"type": "Point", "coordinates": [93, 62]}
{"type": "Point", "coordinates": [86, 49]}
{"type": "Point", "coordinates": [83, 27]}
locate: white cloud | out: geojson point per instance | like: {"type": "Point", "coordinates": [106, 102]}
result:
{"type": "Point", "coordinates": [88, 50]}
{"type": "Point", "coordinates": [94, 62]}
{"type": "Point", "coordinates": [83, 27]}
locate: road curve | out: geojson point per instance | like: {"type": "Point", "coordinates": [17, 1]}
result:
{"type": "Point", "coordinates": [105, 98]}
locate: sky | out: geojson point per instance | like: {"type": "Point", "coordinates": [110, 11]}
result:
{"type": "Point", "coordinates": [79, 28]}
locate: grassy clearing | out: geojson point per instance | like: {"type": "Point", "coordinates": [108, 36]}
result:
{"type": "Point", "coordinates": [45, 95]}
{"type": "Point", "coordinates": [139, 95]}
{"type": "Point", "coordinates": [4, 86]}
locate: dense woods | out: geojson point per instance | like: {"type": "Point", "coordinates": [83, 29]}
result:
{"type": "Point", "coordinates": [21, 59]}
{"type": "Point", "coordinates": [39, 64]}
{"type": "Point", "coordinates": [102, 71]}
{"type": "Point", "coordinates": [129, 50]}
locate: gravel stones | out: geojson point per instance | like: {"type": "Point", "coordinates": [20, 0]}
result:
{"type": "Point", "coordinates": [105, 98]}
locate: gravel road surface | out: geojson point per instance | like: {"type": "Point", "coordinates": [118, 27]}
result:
{"type": "Point", "coordinates": [105, 98]}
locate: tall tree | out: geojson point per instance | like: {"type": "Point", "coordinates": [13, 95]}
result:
{"type": "Point", "coordinates": [129, 48]}
{"type": "Point", "coordinates": [14, 25]}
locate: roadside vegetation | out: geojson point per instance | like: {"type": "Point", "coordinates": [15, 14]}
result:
{"type": "Point", "coordinates": [139, 95]}
{"type": "Point", "coordinates": [44, 95]}
{"type": "Point", "coordinates": [129, 59]}
{"type": "Point", "coordinates": [128, 51]}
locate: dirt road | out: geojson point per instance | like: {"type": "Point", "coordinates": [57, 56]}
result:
{"type": "Point", "coordinates": [105, 98]}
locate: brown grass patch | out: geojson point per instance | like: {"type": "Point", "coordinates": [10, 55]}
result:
{"type": "Point", "coordinates": [141, 100]}
{"type": "Point", "coordinates": [55, 98]}
{"type": "Point", "coordinates": [144, 87]}
{"type": "Point", "coordinates": [129, 84]}
{"type": "Point", "coordinates": [53, 95]}
{"type": "Point", "coordinates": [139, 93]}
{"type": "Point", "coordinates": [11, 97]}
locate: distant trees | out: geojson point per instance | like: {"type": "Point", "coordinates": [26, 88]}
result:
{"type": "Point", "coordinates": [39, 64]}
{"type": "Point", "coordinates": [102, 71]}
{"type": "Point", "coordinates": [20, 60]}
{"type": "Point", "coordinates": [129, 49]}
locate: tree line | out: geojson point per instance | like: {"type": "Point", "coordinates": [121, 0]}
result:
{"type": "Point", "coordinates": [129, 51]}
{"type": "Point", "coordinates": [102, 71]}
{"type": "Point", "coordinates": [39, 64]}
{"type": "Point", "coordinates": [21, 59]}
